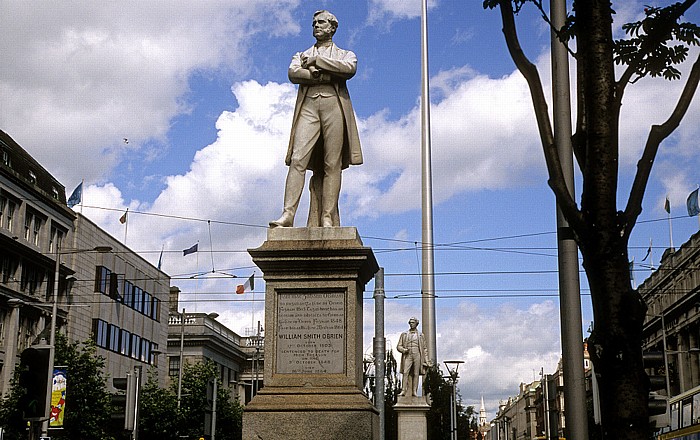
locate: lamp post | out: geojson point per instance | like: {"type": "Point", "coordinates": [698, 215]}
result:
{"type": "Point", "coordinates": [54, 312]}
{"type": "Point", "coordinates": [453, 406]}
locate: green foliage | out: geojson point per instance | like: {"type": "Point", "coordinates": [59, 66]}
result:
{"type": "Point", "coordinates": [658, 42]}
{"type": "Point", "coordinates": [391, 394]}
{"type": "Point", "coordinates": [439, 417]}
{"type": "Point", "coordinates": [654, 46]}
{"type": "Point", "coordinates": [158, 416]}
{"type": "Point", "coordinates": [87, 400]}
{"type": "Point", "coordinates": [10, 414]}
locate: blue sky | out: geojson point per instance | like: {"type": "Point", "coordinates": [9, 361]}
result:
{"type": "Point", "coordinates": [200, 91]}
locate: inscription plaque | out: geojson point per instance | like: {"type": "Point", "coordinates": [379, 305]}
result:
{"type": "Point", "coordinates": [310, 333]}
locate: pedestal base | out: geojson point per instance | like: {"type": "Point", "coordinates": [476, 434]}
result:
{"type": "Point", "coordinates": [316, 414]}
{"type": "Point", "coordinates": [314, 280]}
{"type": "Point", "coordinates": [412, 418]}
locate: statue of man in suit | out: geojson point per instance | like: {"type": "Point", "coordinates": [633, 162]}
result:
{"type": "Point", "coordinates": [414, 358]}
{"type": "Point", "coordinates": [324, 137]}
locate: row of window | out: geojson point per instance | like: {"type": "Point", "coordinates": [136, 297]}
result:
{"type": "Point", "coordinates": [33, 223]}
{"type": "Point", "coordinates": [31, 178]}
{"type": "Point", "coordinates": [121, 341]}
{"type": "Point", "coordinates": [115, 286]}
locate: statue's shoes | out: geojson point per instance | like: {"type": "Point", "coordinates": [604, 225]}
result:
{"type": "Point", "coordinates": [286, 221]}
{"type": "Point", "coordinates": [327, 223]}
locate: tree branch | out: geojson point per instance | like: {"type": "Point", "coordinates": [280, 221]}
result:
{"type": "Point", "coordinates": [656, 135]}
{"type": "Point", "coordinates": [556, 180]}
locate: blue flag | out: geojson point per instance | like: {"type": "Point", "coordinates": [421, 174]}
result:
{"type": "Point", "coordinates": [191, 250]}
{"type": "Point", "coordinates": [692, 203]}
{"type": "Point", "coordinates": [76, 197]}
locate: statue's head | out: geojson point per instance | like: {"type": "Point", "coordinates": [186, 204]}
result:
{"type": "Point", "coordinates": [413, 322]}
{"type": "Point", "coordinates": [324, 24]}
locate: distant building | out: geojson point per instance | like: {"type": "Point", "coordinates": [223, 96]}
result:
{"type": "Point", "coordinates": [199, 337]}
{"type": "Point", "coordinates": [672, 294]}
{"type": "Point", "coordinates": [517, 417]}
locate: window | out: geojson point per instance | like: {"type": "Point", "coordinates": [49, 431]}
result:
{"type": "Point", "coordinates": [102, 278]}
{"type": "Point", "coordinates": [154, 356]}
{"type": "Point", "coordinates": [125, 346]}
{"type": "Point", "coordinates": [135, 346]}
{"type": "Point", "coordinates": [32, 228]}
{"type": "Point", "coordinates": [6, 157]}
{"type": "Point", "coordinates": [32, 277]}
{"type": "Point", "coordinates": [54, 193]}
{"type": "Point", "coordinates": [37, 231]}
{"type": "Point", "coordinates": [32, 177]}
{"type": "Point", "coordinates": [173, 366]}
{"type": "Point", "coordinates": [3, 203]}
{"type": "Point", "coordinates": [9, 214]}
{"type": "Point", "coordinates": [128, 293]}
{"type": "Point", "coordinates": [147, 303]}
{"type": "Point", "coordinates": [138, 299]}
{"type": "Point", "coordinates": [155, 313]}
{"type": "Point", "coordinates": [55, 239]}
{"type": "Point", "coordinates": [114, 332]}
{"type": "Point", "coordinates": [8, 267]}
{"type": "Point", "coordinates": [145, 350]}
{"type": "Point", "coordinates": [28, 220]}
{"type": "Point", "coordinates": [99, 332]}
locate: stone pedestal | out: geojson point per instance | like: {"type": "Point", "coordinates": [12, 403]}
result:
{"type": "Point", "coordinates": [412, 418]}
{"type": "Point", "coordinates": [315, 279]}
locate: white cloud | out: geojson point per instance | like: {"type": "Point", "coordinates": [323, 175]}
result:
{"type": "Point", "coordinates": [85, 75]}
{"type": "Point", "coordinates": [386, 11]}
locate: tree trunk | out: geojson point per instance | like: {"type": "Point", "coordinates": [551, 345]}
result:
{"type": "Point", "coordinates": [615, 342]}
{"type": "Point", "coordinates": [618, 309]}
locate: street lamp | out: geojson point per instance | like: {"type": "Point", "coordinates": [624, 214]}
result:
{"type": "Point", "coordinates": [453, 407]}
{"type": "Point", "coordinates": [54, 312]}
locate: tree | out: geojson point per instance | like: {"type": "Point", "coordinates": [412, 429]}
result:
{"type": "Point", "coordinates": [158, 412]}
{"type": "Point", "coordinates": [10, 413]}
{"type": "Point", "coordinates": [391, 395]}
{"type": "Point", "coordinates": [229, 413]}
{"type": "Point", "coordinates": [87, 401]}
{"type": "Point", "coordinates": [655, 45]}
{"type": "Point", "coordinates": [439, 416]}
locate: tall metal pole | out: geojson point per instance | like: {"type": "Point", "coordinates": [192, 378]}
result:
{"type": "Point", "coordinates": [182, 351]}
{"type": "Point", "coordinates": [52, 343]}
{"type": "Point", "coordinates": [569, 285]}
{"type": "Point", "coordinates": [428, 269]}
{"type": "Point", "coordinates": [379, 349]}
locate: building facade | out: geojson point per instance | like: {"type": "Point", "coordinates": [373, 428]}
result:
{"type": "Point", "coordinates": [199, 337]}
{"type": "Point", "coordinates": [119, 300]}
{"type": "Point", "coordinates": [106, 292]}
{"type": "Point", "coordinates": [34, 223]}
{"type": "Point", "coordinates": [672, 327]}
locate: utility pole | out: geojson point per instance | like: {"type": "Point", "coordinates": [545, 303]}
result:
{"type": "Point", "coordinates": [428, 266]}
{"type": "Point", "coordinates": [182, 351]}
{"type": "Point", "coordinates": [379, 349]}
{"type": "Point", "coordinates": [569, 284]}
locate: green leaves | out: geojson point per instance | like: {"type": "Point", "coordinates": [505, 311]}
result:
{"type": "Point", "coordinates": [658, 42]}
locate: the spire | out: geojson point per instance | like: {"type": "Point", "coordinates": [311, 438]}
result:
{"type": "Point", "coordinates": [482, 413]}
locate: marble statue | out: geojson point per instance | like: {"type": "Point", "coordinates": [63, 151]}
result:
{"type": "Point", "coordinates": [324, 137]}
{"type": "Point", "coordinates": [414, 358]}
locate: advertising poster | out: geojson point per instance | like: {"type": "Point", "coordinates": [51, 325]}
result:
{"type": "Point", "coordinates": [58, 397]}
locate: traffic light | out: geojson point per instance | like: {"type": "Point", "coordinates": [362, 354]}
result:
{"type": "Point", "coordinates": [34, 378]}
{"type": "Point", "coordinates": [125, 400]}
{"type": "Point", "coordinates": [655, 365]}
